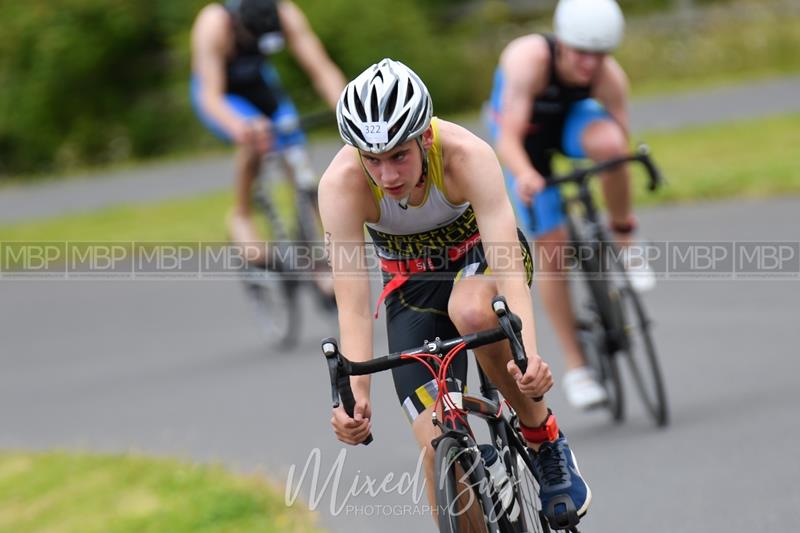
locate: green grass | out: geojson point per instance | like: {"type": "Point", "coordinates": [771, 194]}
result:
{"type": "Point", "coordinates": [60, 492]}
{"type": "Point", "coordinates": [744, 159]}
{"type": "Point", "coordinates": [748, 159]}
{"type": "Point", "coordinates": [721, 44]}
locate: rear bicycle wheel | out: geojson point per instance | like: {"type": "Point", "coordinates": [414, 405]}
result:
{"type": "Point", "coordinates": [461, 505]}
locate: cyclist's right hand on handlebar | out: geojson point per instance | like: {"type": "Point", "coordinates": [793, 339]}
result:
{"type": "Point", "coordinates": [529, 185]}
{"type": "Point", "coordinates": [353, 430]}
{"type": "Point", "coordinates": [537, 379]}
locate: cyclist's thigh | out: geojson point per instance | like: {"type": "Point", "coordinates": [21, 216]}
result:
{"type": "Point", "coordinates": [240, 105]}
{"type": "Point", "coordinates": [580, 115]}
{"type": "Point", "coordinates": [417, 312]}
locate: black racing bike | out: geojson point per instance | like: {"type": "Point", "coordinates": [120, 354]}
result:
{"type": "Point", "coordinates": [468, 496]}
{"type": "Point", "coordinates": [612, 324]}
{"type": "Point", "coordinates": [285, 193]}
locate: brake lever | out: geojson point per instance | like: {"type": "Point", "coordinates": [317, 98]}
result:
{"type": "Point", "coordinates": [330, 350]}
{"type": "Point", "coordinates": [512, 325]}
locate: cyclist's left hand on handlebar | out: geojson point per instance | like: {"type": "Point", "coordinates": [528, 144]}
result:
{"type": "Point", "coordinates": [353, 430]}
{"type": "Point", "coordinates": [536, 381]}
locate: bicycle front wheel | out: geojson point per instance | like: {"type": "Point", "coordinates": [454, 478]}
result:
{"type": "Point", "coordinates": [526, 493]}
{"type": "Point", "coordinates": [276, 305]}
{"type": "Point", "coordinates": [461, 505]}
{"type": "Point", "coordinates": [640, 354]}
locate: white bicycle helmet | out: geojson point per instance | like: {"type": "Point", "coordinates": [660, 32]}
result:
{"type": "Point", "coordinates": [383, 107]}
{"type": "Point", "coordinates": [591, 25]}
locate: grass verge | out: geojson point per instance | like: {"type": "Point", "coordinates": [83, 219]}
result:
{"type": "Point", "coordinates": [65, 492]}
{"type": "Point", "coordinates": [752, 159]}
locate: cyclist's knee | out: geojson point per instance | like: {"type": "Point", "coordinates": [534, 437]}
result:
{"type": "Point", "coordinates": [470, 311]}
{"type": "Point", "coordinates": [604, 139]}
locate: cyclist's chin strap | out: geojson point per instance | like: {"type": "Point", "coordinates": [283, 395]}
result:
{"type": "Point", "coordinates": [626, 228]}
{"type": "Point", "coordinates": [547, 432]}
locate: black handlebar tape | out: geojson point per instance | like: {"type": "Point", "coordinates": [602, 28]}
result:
{"type": "Point", "coordinates": [348, 401]}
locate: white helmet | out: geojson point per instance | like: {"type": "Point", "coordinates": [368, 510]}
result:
{"type": "Point", "coordinates": [592, 25]}
{"type": "Point", "coordinates": [383, 107]}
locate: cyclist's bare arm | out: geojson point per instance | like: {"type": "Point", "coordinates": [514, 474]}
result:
{"type": "Point", "coordinates": [306, 47]}
{"type": "Point", "coordinates": [611, 90]}
{"type": "Point", "coordinates": [211, 39]}
{"type": "Point", "coordinates": [524, 65]}
{"type": "Point", "coordinates": [344, 201]}
{"type": "Point", "coordinates": [473, 170]}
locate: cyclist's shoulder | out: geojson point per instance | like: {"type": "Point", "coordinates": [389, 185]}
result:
{"type": "Point", "coordinates": [213, 14]}
{"type": "Point", "coordinates": [212, 23]}
{"type": "Point", "coordinates": [525, 62]}
{"type": "Point", "coordinates": [527, 49]}
{"type": "Point", "coordinates": [344, 174]}
{"type": "Point", "coordinates": [611, 77]}
{"type": "Point", "coordinates": [456, 140]}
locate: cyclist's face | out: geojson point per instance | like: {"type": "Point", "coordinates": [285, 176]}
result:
{"type": "Point", "coordinates": [397, 171]}
{"type": "Point", "coordinates": [580, 66]}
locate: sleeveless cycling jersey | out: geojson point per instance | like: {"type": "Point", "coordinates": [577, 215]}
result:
{"type": "Point", "coordinates": [551, 106]}
{"type": "Point", "coordinates": [435, 224]}
{"type": "Point", "coordinates": [246, 71]}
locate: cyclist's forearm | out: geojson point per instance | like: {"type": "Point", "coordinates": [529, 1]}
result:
{"type": "Point", "coordinates": [218, 110]}
{"type": "Point", "coordinates": [519, 300]}
{"type": "Point", "coordinates": [329, 83]}
{"type": "Point", "coordinates": [356, 344]}
{"type": "Point", "coordinates": [513, 156]}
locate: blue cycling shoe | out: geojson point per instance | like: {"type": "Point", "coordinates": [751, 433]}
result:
{"type": "Point", "coordinates": [565, 495]}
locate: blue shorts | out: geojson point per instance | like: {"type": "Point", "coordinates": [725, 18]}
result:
{"type": "Point", "coordinates": [545, 215]}
{"type": "Point", "coordinates": [285, 110]}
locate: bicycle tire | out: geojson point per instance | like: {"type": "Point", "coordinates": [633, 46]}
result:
{"type": "Point", "coordinates": [637, 346]}
{"type": "Point", "coordinates": [591, 337]}
{"type": "Point", "coordinates": [600, 330]}
{"type": "Point", "coordinates": [275, 301]}
{"type": "Point", "coordinates": [642, 358]}
{"type": "Point", "coordinates": [452, 464]}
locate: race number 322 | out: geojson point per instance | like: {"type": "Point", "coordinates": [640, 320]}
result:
{"type": "Point", "coordinates": [376, 132]}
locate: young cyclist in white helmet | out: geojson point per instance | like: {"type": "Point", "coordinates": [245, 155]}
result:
{"type": "Point", "coordinates": [425, 187]}
{"type": "Point", "coordinates": [565, 93]}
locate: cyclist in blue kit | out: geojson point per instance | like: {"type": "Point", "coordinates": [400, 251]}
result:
{"type": "Point", "coordinates": [565, 93]}
{"type": "Point", "coordinates": [237, 94]}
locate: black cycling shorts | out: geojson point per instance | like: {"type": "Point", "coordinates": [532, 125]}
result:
{"type": "Point", "coordinates": [417, 311]}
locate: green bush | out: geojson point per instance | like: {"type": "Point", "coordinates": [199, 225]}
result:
{"type": "Point", "coordinates": [86, 82]}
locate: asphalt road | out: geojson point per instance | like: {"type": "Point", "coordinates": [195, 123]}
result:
{"type": "Point", "coordinates": [159, 181]}
{"type": "Point", "coordinates": [178, 368]}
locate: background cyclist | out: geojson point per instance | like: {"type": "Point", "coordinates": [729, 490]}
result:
{"type": "Point", "coordinates": [565, 93]}
{"type": "Point", "coordinates": [236, 91]}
